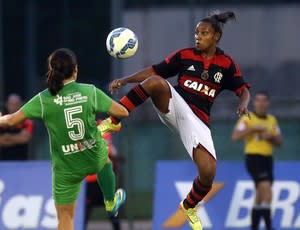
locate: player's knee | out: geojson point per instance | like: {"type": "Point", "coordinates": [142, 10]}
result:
{"type": "Point", "coordinates": [207, 177]}
{"type": "Point", "coordinates": [155, 82]}
{"type": "Point", "coordinates": [207, 173]}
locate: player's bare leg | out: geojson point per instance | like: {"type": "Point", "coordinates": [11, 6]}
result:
{"type": "Point", "coordinates": [202, 184]}
{"type": "Point", "coordinates": [206, 165]}
{"type": "Point", "coordinates": [65, 215]}
{"type": "Point", "coordinates": [154, 87]}
{"type": "Point", "coordinates": [158, 89]}
{"type": "Point", "coordinates": [265, 190]}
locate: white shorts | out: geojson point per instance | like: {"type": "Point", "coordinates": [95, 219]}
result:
{"type": "Point", "coordinates": [182, 120]}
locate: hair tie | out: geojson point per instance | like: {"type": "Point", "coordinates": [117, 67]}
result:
{"type": "Point", "coordinates": [214, 19]}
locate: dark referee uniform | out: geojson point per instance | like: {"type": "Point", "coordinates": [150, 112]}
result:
{"type": "Point", "coordinates": [201, 80]}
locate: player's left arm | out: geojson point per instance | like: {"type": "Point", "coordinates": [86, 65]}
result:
{"type": "Point", "coordinates": [234, 81]}
{"type": "Point", "coordinates": [244, 102]}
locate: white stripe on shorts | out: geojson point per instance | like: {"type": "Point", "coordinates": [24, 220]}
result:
{"type": "Point", "coordinates": [182, 120]}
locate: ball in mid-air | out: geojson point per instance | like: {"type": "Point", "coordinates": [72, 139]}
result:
{"type": "Point", "coordinates": [121, 43]}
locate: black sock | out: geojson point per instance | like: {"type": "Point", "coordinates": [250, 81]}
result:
{"type": "Point", "coordinates": [255, 217]}
{"type": "Point", "coordinates": [266, 214]}
{"type": "Point", "coordinates": [115, 222]}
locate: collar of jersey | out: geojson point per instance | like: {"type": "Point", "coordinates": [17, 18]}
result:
{"type": "Point", "coordinates": [69, 82]}
{"type": "Point", "coordinates": [218, 51]}
{"type": "Point", "coordinates": [260, 116]}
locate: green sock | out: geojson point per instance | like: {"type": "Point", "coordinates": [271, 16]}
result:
{"type": "Point", "coordinates": [107, 181]}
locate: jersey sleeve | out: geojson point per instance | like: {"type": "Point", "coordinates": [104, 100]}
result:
{"type": "Point", "coordinates": [102, 101]}
{"type": "Point", "coordinates": [276, 129]}
{"type": "Point", "coordinates": [33, 109]}
{"type": "Point", "coordinates": [242, 123]}
{"type": "Point", "coordinates": [234, 80]}
{"type": "Point", "coordinates": [169, 67]}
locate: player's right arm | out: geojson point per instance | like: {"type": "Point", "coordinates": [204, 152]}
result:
{"type": "Point", "coordinates": [32, 109]}
{"type": "Point", "coordinates": [140, 76]}
{"type": "Point", "coordinates": [169, 67]}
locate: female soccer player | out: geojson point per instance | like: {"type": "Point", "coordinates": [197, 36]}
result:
{"type": "Point", "coordinates": [68, 110]}
{"type": "Point", "coordinates": [203, 72]}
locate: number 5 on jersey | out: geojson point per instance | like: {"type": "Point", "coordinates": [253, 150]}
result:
{"type": "Point", "coordinates": [72, 122]}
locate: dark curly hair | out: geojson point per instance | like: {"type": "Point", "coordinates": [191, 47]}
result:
{"type": "Point", "coordinates": [217, 20]}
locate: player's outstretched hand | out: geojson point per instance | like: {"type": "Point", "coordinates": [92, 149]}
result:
{"type": "Point", "coordinates": [115, 85]}
{"type": "Point", "coordinates": [242, 110]}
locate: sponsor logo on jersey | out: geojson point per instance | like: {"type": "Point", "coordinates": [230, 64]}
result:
{"type": "Point", "coordinates": [78, 146]}
{"type": "Point", "coordinates": [70, 99]}
{"type": "Point", "coordinates": [218, 77]}
{"type": "Point", "coordinates": [200, 87]}
{"type": "Point", "coordinates": [191, 68]}
{"type": "Point", "coordinates": [58, 100]}
{"type": "Point", "coordinates": [204, 75]}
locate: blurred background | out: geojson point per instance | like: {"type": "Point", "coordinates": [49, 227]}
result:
{"type": "Point", "coordinates": [264, 41]}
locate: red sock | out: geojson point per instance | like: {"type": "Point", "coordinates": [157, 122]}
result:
{"type": "Point", "coordinates": [114, 120]}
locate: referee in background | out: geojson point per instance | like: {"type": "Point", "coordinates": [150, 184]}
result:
{"type": "Point", "coordinates": [260, 132]}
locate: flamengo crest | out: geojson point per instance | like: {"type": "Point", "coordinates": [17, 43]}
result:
{"type": "Point", "coordinates": [218, 77]}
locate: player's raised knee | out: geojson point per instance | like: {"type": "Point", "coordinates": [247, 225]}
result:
{"type": "Point", "coordinates": [155, 81]}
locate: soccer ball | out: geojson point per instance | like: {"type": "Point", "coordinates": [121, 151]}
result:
{"type": "Point", "coordinates": [121, 43]}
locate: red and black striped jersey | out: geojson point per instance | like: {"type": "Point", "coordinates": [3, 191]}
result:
{"type": "Point", "coordinates": [201, 80]}
{"type": "Point", "coordinates": [16, 151]}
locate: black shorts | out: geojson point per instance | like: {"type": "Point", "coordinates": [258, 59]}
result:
{"type": "Point", "coordinates": [260, 167]}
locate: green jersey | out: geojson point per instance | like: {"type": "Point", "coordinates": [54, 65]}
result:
{"type": "Point", "coordinates": [70, 117]}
